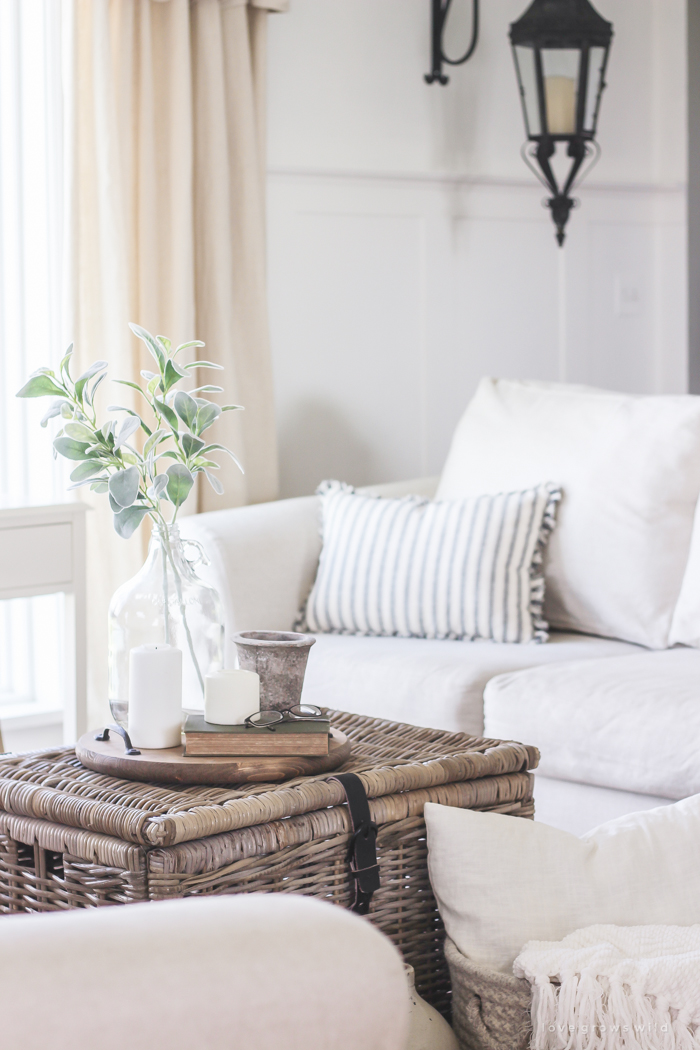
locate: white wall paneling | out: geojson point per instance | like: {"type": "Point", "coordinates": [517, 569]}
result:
{"type": "Point", "coordinates": [346, 91]}
{"type": "Point", "coordinates": [693, 110]}
{"type": "Point", "coordinates": [409, 253]}
{"type": "Point", "coordinates": [391, 295]}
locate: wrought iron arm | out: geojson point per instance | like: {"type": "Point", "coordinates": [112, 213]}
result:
{"type": "Point", "coordinates": [561, 202]}
{"type": "Point", "coordinates": [439, 12]}
{"type": "Point", "coordinates": [578, 151]}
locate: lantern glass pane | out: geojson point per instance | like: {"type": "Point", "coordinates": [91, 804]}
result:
{"type": "Point", "coordinates": [560, 71]}
{"type": "Point", "coordinates": [525, 60]}
{"type": "Point", "coordinates": [596, 62]}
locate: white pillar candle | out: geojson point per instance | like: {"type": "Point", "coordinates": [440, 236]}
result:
{"type": "Point", "coordinates": [560, 95]}
{"type": "Point", "coordinates": [155, 696]}
{"type": "Point", "coordinates": [230, 696]}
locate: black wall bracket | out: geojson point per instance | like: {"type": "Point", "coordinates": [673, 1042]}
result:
{"type": "Point", "coordinates": [438, 18]}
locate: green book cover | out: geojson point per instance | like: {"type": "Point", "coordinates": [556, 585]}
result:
{"type": "Point", "coordinates": [194, 723]}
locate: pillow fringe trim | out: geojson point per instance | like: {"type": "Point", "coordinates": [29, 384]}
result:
{"type": "Point", "coordinates": [537, 579]}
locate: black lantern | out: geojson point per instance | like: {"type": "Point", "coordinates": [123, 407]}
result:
{"type": "Point", "coordinates": [561, 52]}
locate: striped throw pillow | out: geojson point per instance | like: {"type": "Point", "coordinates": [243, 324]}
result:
{"type": "Point", "coordinates": [469, 568]}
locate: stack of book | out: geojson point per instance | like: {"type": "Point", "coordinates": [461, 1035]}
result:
{"type": "Point", "coordinates": [297, 738]}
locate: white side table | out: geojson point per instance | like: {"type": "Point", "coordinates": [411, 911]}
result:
{"type": "Point", "coordinates": [42, 551]}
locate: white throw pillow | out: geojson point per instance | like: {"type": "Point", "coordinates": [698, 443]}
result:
{"type": "Point", "coordinates": [629, 468]}
{"type": "Point", "coordinates": [468, 568]}
{"type": "Point", "coordinates": [501, 881]}
{"type": "Point", "coordinates": [631, 722]}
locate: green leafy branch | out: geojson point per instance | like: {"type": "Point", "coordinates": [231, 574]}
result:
{"type": "Point", "coordinates": [136, 482]}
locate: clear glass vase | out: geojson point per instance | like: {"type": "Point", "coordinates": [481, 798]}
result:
{"type": "Point", "coordinates": [166, 602]}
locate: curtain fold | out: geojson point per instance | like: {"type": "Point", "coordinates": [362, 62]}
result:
{"type": "Point", "coordinates": [169, 230]}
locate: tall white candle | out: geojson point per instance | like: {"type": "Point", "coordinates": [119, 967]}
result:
{"type": "Point", "coordinates": [230, 696]}
{"type": "Point", "coordinates": [560, 96]}
{"type": "Point", "coordinates": [155, 696]}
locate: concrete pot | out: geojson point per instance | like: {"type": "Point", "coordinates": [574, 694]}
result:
{"type": "Point", "coordinates": [428, 1030]}
{"type": "Point", "coordinates": [279, 657]}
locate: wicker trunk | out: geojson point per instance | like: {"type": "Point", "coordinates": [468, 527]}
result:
{"type": "Point", "coordinates": [71, 838]}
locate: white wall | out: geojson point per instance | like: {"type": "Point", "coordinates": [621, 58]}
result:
{"type": "Point", "coordinates": [409, 250]}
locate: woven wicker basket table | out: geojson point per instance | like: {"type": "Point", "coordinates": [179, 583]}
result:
{"type": "Point", "coordinates": [72, 838]}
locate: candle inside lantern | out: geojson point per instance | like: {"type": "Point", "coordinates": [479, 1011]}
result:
{"type": "Point", "coordinates": [155, 696]}
{"type": "Point", "coordinates": [560, 96]}
{"type": "Point", "coordinates": [230, 696]}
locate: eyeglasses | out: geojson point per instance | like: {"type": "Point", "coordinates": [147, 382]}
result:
{"type": "Point", "coordinates": [298, 713]}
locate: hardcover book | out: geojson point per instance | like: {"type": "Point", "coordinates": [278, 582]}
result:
{"type": "Point", "coordinates": [303, 738]}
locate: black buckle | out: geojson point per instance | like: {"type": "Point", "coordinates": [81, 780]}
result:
{"type": "Point", "coordinates": [362, 848]}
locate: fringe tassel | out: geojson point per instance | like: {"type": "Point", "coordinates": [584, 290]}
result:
{"type": "Point", "coordinates": [586, 1012]}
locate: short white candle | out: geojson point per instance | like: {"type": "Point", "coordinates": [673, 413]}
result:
{"type": "Point", "coordinates": [230, 696]}
{"type": "Point", "coordinates": [155, 696]}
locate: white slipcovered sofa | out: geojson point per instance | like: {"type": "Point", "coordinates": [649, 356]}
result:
{"type": "Point", "coordinates": [623, 598]}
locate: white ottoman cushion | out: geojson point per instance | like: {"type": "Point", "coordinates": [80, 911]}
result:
{"type": "Point", "coordinates": [629, 467]}
{"type": "Point", "coordinates": [427, 682]}
{"type": "Point", "coordinates": [631, 722]}
{"type": "Point", "coordinates": [247, 972]}
{"type": "Point", "coordinates": [501, 881]}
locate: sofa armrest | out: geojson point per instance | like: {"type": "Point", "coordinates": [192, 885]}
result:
{"type": "Point", "coordinates": [263, 560]}
{"type": "Point", "coordinates": [395, 489]}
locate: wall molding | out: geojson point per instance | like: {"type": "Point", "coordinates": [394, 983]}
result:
{"type": "Point", "coordinates": [390, 297]}
{"type": "Point", "coordinates": [446, 178]}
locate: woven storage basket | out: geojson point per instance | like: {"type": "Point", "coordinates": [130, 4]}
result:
{"type": "Point", "coordinates": [490, 1010]}
{"type": "Point", "coordinates": [71, 838]}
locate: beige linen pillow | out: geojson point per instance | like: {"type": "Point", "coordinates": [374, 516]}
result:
{"type": "Point", "coordinates": [501, 881]}
{"type": "Point", "coordinates": [629, 468]}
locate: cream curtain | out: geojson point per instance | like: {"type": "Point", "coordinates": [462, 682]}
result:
{"type": "Point", "coordinates": [169, 229]}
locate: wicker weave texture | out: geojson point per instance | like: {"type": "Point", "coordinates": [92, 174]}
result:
{"type": "Point", "coordinates": [73, 838]}
{"type": "Point", "coordinates": [490, 1010]}
{"type": "Point", "coordinates": [34, 879]}
{"type": "Point", "coordinates": [389, 757]}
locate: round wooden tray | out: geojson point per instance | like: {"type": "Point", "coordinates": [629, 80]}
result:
{"type": "Point", "coordinates": [170, 766]}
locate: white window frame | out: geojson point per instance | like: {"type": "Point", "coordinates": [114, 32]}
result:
{"type": "Point", "coordinates": [42, 551]}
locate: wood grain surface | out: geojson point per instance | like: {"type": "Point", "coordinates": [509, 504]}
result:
{"type": "Point", "coordinates": [171, 766]}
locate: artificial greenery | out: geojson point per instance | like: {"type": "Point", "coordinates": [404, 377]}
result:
{"type": "Point", "coordinates": [136, 482]}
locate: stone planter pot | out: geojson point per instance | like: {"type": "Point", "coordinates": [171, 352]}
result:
{"type": "Point", "coordinates": [279, 657]}
{"type": "Point", "coordinates": [428, 1030]}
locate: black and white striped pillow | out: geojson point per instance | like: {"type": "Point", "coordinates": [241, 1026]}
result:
{"type": "Point", "coordinates": [469, 568]}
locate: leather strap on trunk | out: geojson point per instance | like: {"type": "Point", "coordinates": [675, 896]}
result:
{"type": "Point", "coordinates": [362, 853]}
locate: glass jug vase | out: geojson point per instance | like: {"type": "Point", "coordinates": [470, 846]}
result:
{"type": "Point", "coordinates": [166, 602]}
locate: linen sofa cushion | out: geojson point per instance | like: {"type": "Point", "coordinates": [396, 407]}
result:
{"type": "Point", "coordinates": [427, 682]}
{"type": "Point", "coordinates": [578, 808]}
{"type": "Point", "coordinates": [411, 567]}
{"type": "Point", "coordinates": [501, 881]}
{"type": "Point", "coordinates": [629, 468]}
{"type": "Point", "coordinates": [632, 722]}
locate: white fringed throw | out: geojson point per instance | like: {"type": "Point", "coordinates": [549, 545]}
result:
{"type": "Point", "coordinates": [615, 988]}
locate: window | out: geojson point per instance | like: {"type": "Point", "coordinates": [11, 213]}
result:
{"type": "Point", "coordinates": [34, 314]}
